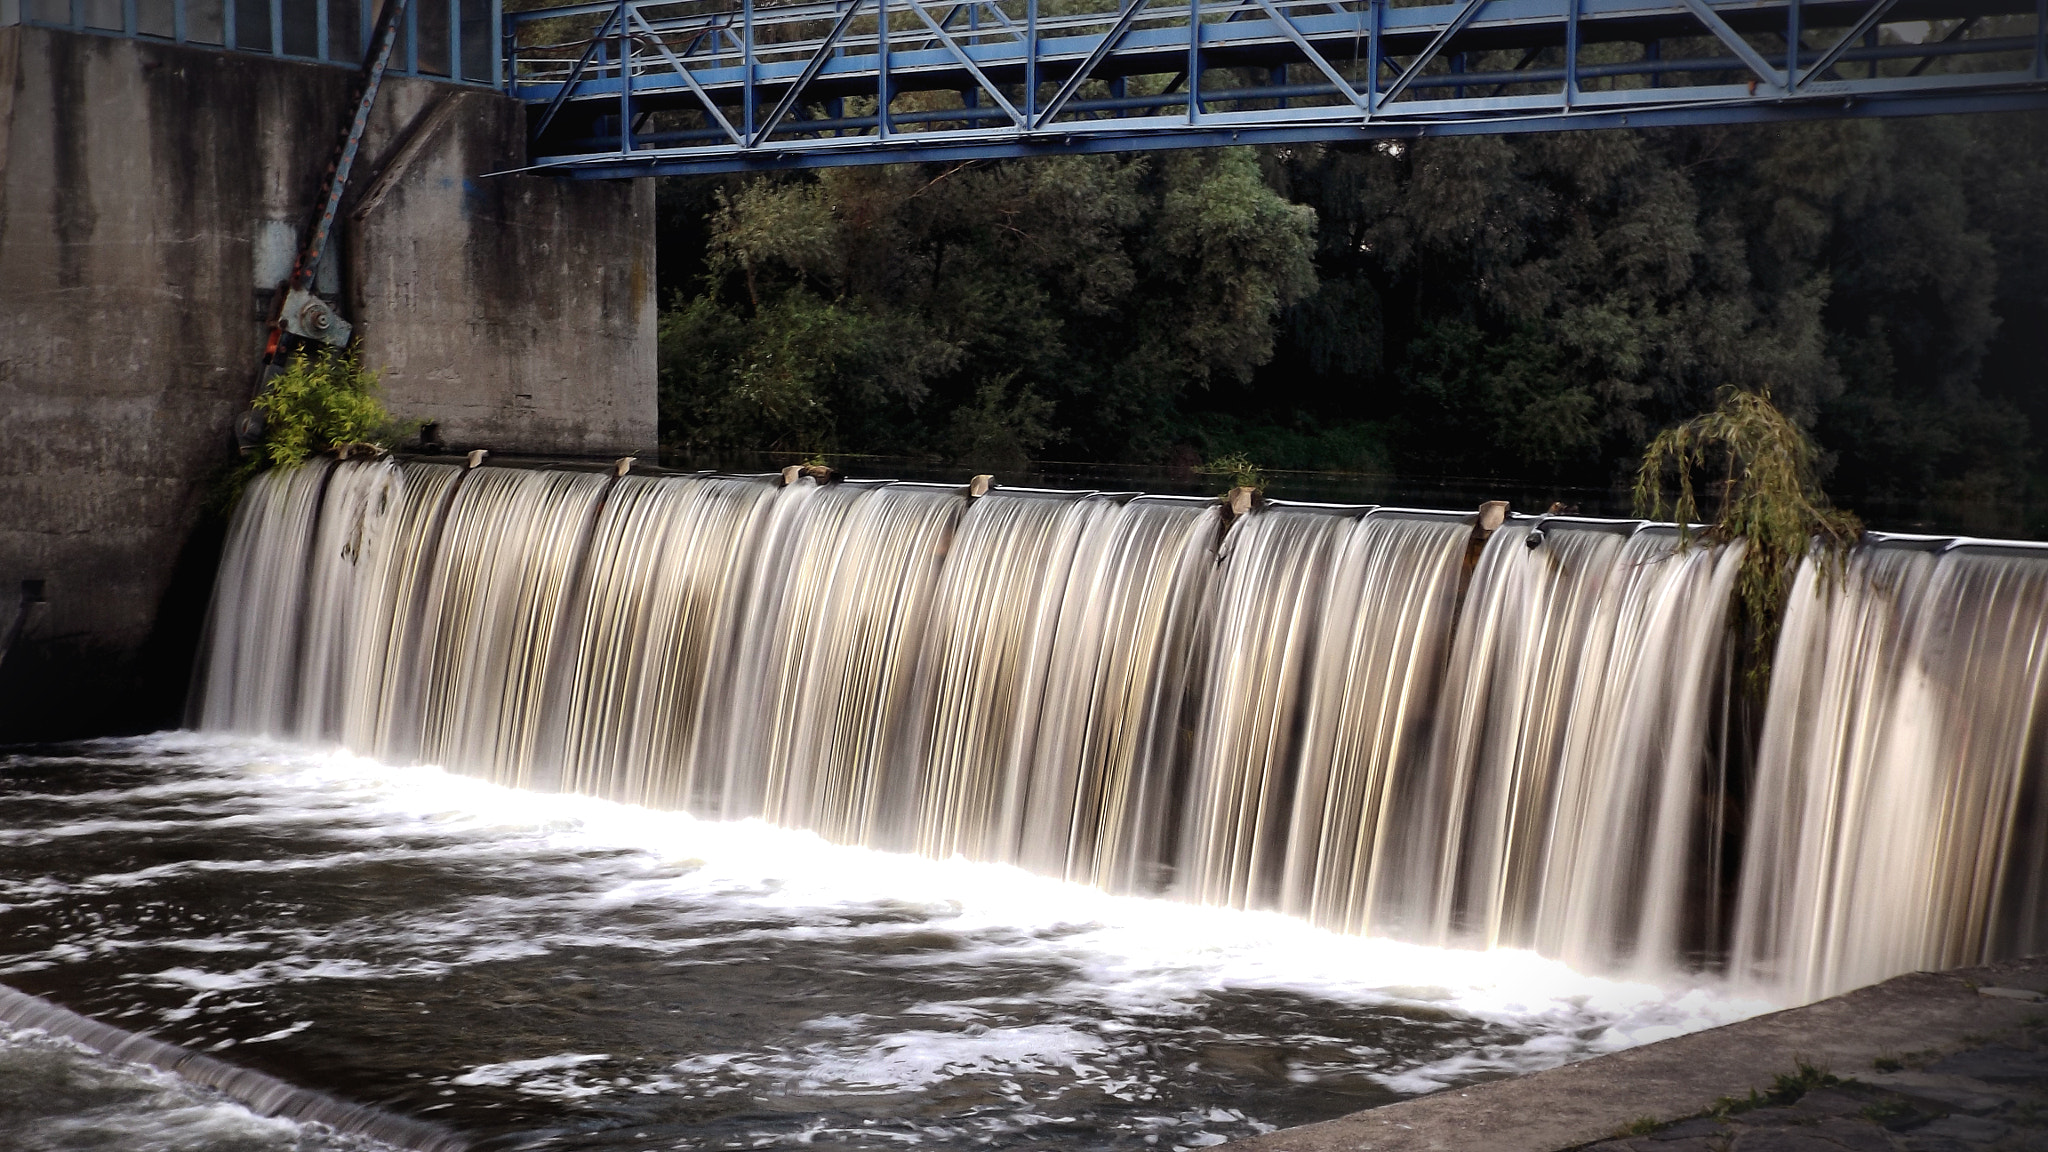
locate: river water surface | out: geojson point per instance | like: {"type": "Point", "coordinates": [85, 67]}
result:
{"type": "Point", "coordinates": [538, 971]}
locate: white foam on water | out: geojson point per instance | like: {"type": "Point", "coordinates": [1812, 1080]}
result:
{"type": "Point", "coordinates": [1123, 968]}
{"type": "Point", "coordinates": [907, 1061]}
{"type": "Point", "coordinates": [545, 1076]}
{"type": "Point", "coordinates": [1133, 953]}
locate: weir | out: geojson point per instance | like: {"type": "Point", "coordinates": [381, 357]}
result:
{"type": "Point", "coordinates": [1312, 709]}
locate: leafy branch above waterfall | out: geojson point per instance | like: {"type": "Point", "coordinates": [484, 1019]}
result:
{"type": "Point", "coordinates": [1759, 472]}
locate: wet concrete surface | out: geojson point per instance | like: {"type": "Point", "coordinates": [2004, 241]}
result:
{"type": "Point", "coordinates": [1927, 1062]}
{"type": "Point", "coordinates": [1992, 1097]}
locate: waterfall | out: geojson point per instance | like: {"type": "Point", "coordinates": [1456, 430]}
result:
{"type": "Point", "coordinates": [1350, 714]}
{"type": "Point", "coordinates": [1901, 768]}
{"type": "Point", "coordinates": [1575, 782]}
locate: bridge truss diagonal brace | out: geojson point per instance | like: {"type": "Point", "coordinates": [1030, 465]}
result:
{"type": "Point", "coordinates": [1002, 18]}
{"type": "Point", "coordinates": [582, 65]}
{"type": "Point", "coordinates": [1110, 40]}
{"type": "Point", "coordinates": [812, 67]}
{"type": "Point", "coordinates": [1323, 65]}
{"type": "Point", "coordinates": [703, 97]}
{"type": "Point", "coordinates": [1736, 44]}
{"type": "Point", "coordinates": [966, 62]}
{"type": "Point", "coordinates": [1436, 44]}
{"type": "Point", "coordinates": [1075, 53]}
{"type": "Point", "coordinates": [1869, 20]}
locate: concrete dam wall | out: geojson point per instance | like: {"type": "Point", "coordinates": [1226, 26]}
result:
{"type": "Point", "coordinates": [151, 199]}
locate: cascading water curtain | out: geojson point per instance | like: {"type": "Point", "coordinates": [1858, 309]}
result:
{"type": "Point", "coordinates": [1898, 821]}
{"type": "Point", "coordinates": [1572, 791]}
{"type": "Point", "coordinates": [1314, 709]}
{"type": "Point", "coordinates": [1324, 657]}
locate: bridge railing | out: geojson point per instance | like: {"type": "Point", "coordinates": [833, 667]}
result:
{"type": "Point", "coordinates": [455, 40]}
{"type": "Point", "coordinates": [636, 86]}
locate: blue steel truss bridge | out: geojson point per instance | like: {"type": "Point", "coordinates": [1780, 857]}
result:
{"type": "Point", "coordinates": [623, 88]}
{"type": "Point", "coordinates": [635, 87]}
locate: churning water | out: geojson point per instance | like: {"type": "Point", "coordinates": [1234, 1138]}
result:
{"type": "Point", "coordinates": [565, 972]}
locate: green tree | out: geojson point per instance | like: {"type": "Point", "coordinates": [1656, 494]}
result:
{"type": "Point", "coordinates": [1531, 307]}
{"type": "Point", "coordinates": [980, 311]}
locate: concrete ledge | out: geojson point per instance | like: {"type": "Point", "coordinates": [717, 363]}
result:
{"type": "Point", "coordinates": [1925, 1012]}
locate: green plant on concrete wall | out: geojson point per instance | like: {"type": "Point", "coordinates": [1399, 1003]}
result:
{"type": "Point", "coordinates": [1758, 471]}
{"type": "Point", "coordinates": [322, 400]}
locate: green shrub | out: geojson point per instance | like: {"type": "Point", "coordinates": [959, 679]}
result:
{"type": "Point", "coordinates": [322, 400]}
{"type": "Point", "coordinates": [1766, 496]}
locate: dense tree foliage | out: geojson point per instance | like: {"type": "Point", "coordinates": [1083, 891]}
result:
{"type": "Point", "coordinates": [981, 312]}
{"type": "Point", "coordinates": [1533, 306]}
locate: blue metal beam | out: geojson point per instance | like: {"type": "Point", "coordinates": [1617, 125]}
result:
{"type": "Point", "coordinates": [1451, 28]}
{"type": "Point", "coordinates": [1733, 39]}
{"type": "Point", "coordinates": [305, 23]}
{"type": "Point", "coordinates": [1864, 25]}
{"type": "Point", "coordinates": [1103, 47]}
{"type": "Point", "coordinates": [1142, 74]}
{"type": "Point", "coordinates": [902, 150]}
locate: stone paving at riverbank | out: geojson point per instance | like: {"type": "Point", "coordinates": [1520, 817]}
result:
{"type": "Point", "coordinates": [1993, 1097]}
{"type": "Point", "coordinates": [1951, 1061]}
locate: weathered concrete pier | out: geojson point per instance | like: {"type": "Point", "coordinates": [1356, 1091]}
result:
{"type": "Point", "coordinates": [152, 198]}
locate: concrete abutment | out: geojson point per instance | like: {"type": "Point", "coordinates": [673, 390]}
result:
{"type": "Point", "coordinates": [148, 193]}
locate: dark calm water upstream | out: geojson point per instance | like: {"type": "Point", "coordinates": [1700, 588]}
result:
{"type": "Point", "coordinates": [548, 972]}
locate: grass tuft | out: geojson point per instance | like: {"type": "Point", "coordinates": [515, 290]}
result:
{"type": "Point", "coordinates": [1239, 467]}
{"type": "Point", "coordinates": [1640, 1126]}
{"type": "Point", "coordinates": [1786, 1088]}
{"type": "Point", "coordinates": [1888, 1111]}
